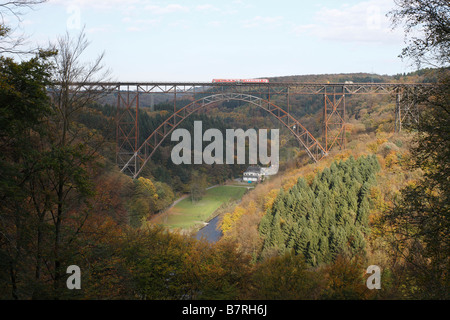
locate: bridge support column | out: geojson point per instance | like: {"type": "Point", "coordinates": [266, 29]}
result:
{"type": "Point", "coordinates": [406, 110]}
{"type": "Point", "coordinates": [334, 120]}
{"type": "Point", "coordinates": [127, 129]}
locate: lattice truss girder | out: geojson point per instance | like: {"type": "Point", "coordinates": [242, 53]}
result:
{"type": "Point", "coordinates": [127, 128]}
{"type": "Point", "coordinates": [406, 109]}
{"type": "Point", "coordinates": [334, 121]}
{"type": "Point", "coordinates": [142, 155]}
{"type": "Point", "coordinates": [131, 157]}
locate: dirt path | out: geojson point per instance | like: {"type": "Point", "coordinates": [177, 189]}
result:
{"type": "Point", "coordinates": [176, 201]}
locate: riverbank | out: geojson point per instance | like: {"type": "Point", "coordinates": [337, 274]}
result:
{"type": "Point", "coordinates": [188, 216]}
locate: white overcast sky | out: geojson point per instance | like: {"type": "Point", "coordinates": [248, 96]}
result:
{"type": "Point", "coordinates": [198, 40]}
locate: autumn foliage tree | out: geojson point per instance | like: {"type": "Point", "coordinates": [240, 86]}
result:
{"type": "Point", "coordinates": [285, 277]}
{"type": "Point", "coordinates": [420, 216]}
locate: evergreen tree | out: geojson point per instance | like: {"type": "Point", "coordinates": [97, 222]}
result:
{"type": "Point", "coordinates": [324, 219]}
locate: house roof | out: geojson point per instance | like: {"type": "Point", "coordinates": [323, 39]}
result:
{"type": "Point", "coordinates": [253, 170]}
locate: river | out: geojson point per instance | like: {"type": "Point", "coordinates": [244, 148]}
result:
{"type": "Point", "coordinates": [210, 232]}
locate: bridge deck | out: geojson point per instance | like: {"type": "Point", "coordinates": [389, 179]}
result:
{"type": "Point", "coordinates": [219, 84]}
{"type": "Point", "coordinates": [263, 88]}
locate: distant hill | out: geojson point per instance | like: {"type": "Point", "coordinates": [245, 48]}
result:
{"type": "Point", "coordinates": [336, 78]}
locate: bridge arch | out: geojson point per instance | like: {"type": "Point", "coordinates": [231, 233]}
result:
{"type": "Point", "coordinates": [143, 154]}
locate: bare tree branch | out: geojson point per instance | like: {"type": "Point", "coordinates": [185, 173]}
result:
{"type": "Point", "coordinates": [10, 41]}
{"type": "Point", "coordinates": [69, 99]}
{"type": "Point", "coordinates": [427, 30]}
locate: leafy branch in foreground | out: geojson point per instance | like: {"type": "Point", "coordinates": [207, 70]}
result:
{"type": "Point", "coordinates": [427, 30]}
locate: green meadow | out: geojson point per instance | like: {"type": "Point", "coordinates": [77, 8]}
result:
{"type": "Point", "coordinates": [187, 214]}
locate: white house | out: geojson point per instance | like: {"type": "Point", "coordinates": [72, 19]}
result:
{"type": "Point", "coordinates": [252, 174]}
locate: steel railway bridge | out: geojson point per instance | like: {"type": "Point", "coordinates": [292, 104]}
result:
{"type": "Point", "coordinates": [273, 97]}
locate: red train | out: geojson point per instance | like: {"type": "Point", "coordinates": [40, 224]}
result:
{"type": "Point", "coordinates": [242, 80]}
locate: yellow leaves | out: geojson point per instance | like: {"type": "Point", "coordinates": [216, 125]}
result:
{"type": "Point", "coordinates": [345, 279]}
{"type": "Point", "coordinates": [251, 207]}
{"type": "Point", "coordinates": [148, 185]}
{"type": "Point", "coordinates": [377, 200]}
{"type": "Point", "coordinates": [270, 198]}
{"type": "Point", "coordinates": [143, 202]}
{"type": "Point", "coordinates": [376, 196]}
{"type": "Point", "coordinates": [373, 147]}
{"type": "Point", "coordinates": [349, 127]}
{"type": "Point", "coordinates": [344, 155]}
{"type": "Point", "coordinates": [391, 160]}
{"type": "Point", "coordinates": [289, 183]}
{"type": "Point", "coordinates": [355, 127]}
{"type": "Point", "coordinates": [381, 161]}
{"type": "Point", "coordinates": [310, 178]}
{"type": "Point", "coordinates": [230, 219]}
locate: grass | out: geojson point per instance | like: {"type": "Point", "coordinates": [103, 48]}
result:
{"type": "Point", "coordinates": [187, 214]}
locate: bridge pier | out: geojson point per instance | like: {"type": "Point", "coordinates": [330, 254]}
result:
{"type": "Point", "coordinates": [406, 109]}
{"type": "Point", "coordinates": [334, 120]}
{"type": "Point", "coordinates": [127, 129]}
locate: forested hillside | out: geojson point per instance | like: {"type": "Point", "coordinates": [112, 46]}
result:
{"type": "Point", "coordinates": [309, 232]}
{"type": "Point", "coordinates": [313, 222]}
{"type": "Point", "coordinates": [325, 218]}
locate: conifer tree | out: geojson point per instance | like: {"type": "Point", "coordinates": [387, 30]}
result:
{"type": "Point", "coordinates": [326, 218]}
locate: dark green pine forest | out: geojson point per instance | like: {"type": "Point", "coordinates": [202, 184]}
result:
{"type": "Point", "coordinates": [323, 219]}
